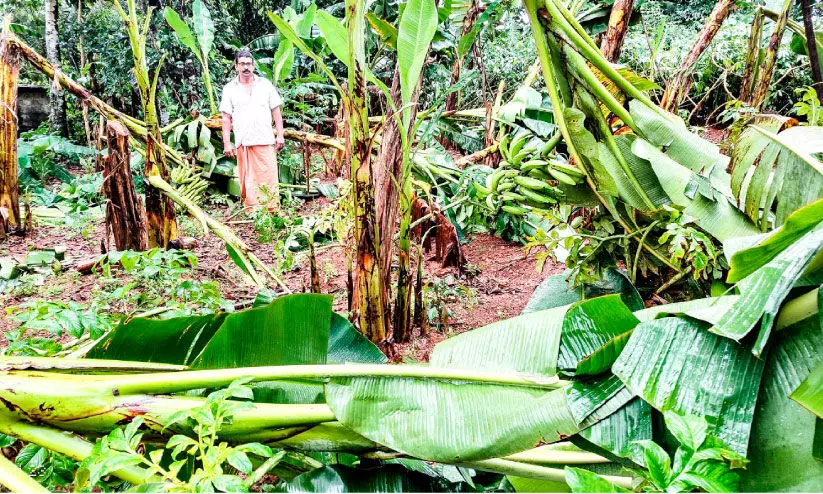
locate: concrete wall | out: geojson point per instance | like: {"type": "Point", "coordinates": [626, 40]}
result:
{"type": "Point", "coordinates": [32, 106]}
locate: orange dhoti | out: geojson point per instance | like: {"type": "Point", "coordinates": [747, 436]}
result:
{"type": "Point", "coordinates": [257, 167]}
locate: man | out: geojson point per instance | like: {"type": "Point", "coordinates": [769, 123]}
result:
{"type": "Point", "coordinates": [249, 104]}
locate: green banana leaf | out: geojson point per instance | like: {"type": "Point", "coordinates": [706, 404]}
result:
{"type": "Point", "coordinates": [348, 345]}
{"type": "Point", "coordinates": [527, 343]}
{"type": "Point", "coordinates": [810, 392]}
{"type": "Point", "coordinates": [714, 214]}
{"type": "Point", "coordinates": [335, 34]}
{"type": "Point", "coordinates": [675, 364]}
{"type": "Point", "coordinates": [594, 332]}
{"type": "Point", "coordinates": [769, 167]}
{"type": "Point", "coordinates": [589, 150]}
{"type": "Point", "coordinates": [170, 341]}
{"type": "Point", "coordinates": [782, 437]}
{"type": "Point", "coordinates": [328, 437]}
{"type": "Point", "coordinates": [555, 291]}
{"type": "Point", "coordinates": [709, 309]}
{"type": "Point", "coordinates": [763, 292]}
{"type": "Point", "coordinates": [450, 422]}
{"type": "Point", "coordinates": [414, 35]}
{"type": "Point", "coordinates": [287, 32]}
{"type": "Point", "coordinates": [294, 329]}
{"type": "Point", "coordinates": [453, 421]}
{"type": "Point", "coordinates": [182, 31]}
{"type": "Point", "coordinates": [339, 478]}
{"type": "Point", "coordinates": [746, 261]}
{"type": "Point", "coordinates": [682, 146]}
{"type": "Point", "coordinates": [649, 184]}
{"type": "Point", "coordinates": [617, 433]}
{"type": "Point", "coordinates": [203, 27]}
{"type": "Point", "coordinates": [384, 29]}
{"type": "Point", "coordinates": [597, 397]}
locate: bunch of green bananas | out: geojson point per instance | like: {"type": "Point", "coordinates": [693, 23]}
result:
{"type": "Point", "coordinates": [521, 185]}
{"type": "Point", "coordinates": [190, 184]}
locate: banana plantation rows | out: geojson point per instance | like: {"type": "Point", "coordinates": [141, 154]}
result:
{"type": "Point", "coordinates": [414, 246]}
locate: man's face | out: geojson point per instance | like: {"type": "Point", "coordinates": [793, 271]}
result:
{"type": "Point", "coordinates": [244, 66]}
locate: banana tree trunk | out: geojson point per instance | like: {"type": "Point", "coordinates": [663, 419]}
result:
{"type": "Point", "coordinates": [618, 27]}
{"type": "Point", "coordinates": [811, 46]}
{"type": "Point", "coordinates": [681, 82]}
{"type": "Point", "coordinates": [761, 87]}
{"type": "Point", "coordinates": [162, 222]}
{"type": "Point", "coordinates": [57, 103]}
{"type": "Point", "coordinates": [125, 218]}
{"type": "Point", "coordinates": [751, 71]}
{"type": "Point", "coordinates": [387, 176]}
{"type": "Point", "coordinates": [9, 73]}
{"type": "Point", "coordinates": [371, 294]}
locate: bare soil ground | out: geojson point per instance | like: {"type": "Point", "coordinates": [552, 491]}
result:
{"type": "Point", "coordinates": [501, 281]}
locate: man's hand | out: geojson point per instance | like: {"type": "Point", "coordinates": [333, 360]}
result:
{"type": "Point", "coordinates": [229, 151]}
{"type": "Point", "coordinates": [279, 142]}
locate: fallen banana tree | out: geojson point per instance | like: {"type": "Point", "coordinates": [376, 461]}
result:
{"type": "Point", "coordinates": [595, 372]}
{"type": "Point", "coordinates": [240, 253]}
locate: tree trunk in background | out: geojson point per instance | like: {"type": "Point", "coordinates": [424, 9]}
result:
{"type": "Point", "coordinates": [371, 295]}
{"type": "Point", "coordinates": [57, 103]}
{"type": "Point", "coordinates": [9, 72]}
{"type": "Point", "coordinates": [618, 27]}
{"type": "Point", "coordinates": [84, 104]}
{"type": "Point", "coordinates": [681, 82]}
{"type": "Point", "coordinates": [125, 218]}
{"type": "Point", "coordinates": [468, 22]}
{"type": "Point", "coordinates": [811, 43]}
{"type": "Point", "coordinates": [761, 87]}
{"type": "Point", "coordinates": [751, 71]}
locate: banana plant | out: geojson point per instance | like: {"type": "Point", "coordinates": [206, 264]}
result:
{"type": "Point", "coordinates": [201, 45]}
{"type": "Point", "coordinates": [655, 160]}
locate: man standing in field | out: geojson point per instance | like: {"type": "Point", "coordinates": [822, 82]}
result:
{"type": "Point", "coordinates": [249, 104]}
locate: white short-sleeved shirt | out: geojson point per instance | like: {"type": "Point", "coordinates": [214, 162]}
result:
{"type": "Point", "coordinates": [251, 113]}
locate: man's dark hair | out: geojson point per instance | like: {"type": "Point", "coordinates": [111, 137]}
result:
{"type": "Point", "coordinates": [243, 53]}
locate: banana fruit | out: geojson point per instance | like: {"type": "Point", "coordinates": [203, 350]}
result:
{"type": "Point", "coordinates": [528, 176]}
{"type": "Point", "coordinates": [190, 184]}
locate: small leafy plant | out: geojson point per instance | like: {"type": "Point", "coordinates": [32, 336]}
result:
{"type": "Point", "coordinates": [809, 106]}
{"type": "Point", "coordinates": [438, 294]}
{"type": "Point", "coordinates": [701, 462]}
{"type": "Point", "coordinates": [216, 464]}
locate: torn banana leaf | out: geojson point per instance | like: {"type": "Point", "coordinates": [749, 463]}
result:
{"type": "Point", "coordinates": [782, 168]}
{"type": "Point", "coordinates": [675, 364]}
{"type": "Point", "coordinates": [712, 212]}
{"type": "Point", "coordinates": [783, 431]}
{"type": "Point", "coordinates": [682, 146]}
{"type": "Point", "coordinates": [763, 291]}
{"type": "Point", "coordinates": [744, 262]}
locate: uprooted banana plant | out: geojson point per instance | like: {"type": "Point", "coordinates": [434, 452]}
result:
{"type": "Point", "coordinates": [594, 372]}
{"type": "Point", "coordinates": [637, 155]}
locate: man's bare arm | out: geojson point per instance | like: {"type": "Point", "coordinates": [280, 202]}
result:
{"type": "Point", "coordinates": [228, 148]}
{"type": "Point", "coordinates": [280, 139]}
